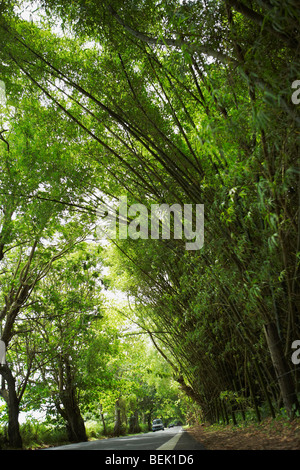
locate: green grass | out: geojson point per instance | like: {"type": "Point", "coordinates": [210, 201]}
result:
{"type": "Point", "coordinates": [37, 435]}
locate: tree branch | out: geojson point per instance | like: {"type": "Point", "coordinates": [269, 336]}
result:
{"type": "Point", "coordinates": [176, 43]}
{"type": "Point", "coordinates": [260, 20]}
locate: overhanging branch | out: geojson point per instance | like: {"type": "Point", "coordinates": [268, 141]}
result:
{"type": "Point", "coordinates": [176, 43]}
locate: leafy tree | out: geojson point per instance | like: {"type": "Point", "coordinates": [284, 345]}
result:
{"type": "Point", "coordinates": [155, 109]}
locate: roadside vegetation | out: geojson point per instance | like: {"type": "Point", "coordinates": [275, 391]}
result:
{"type": "Point", "coordinates": [270, 434]}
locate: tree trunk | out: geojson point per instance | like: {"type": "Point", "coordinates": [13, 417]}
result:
{"type": "Point", "coordinates": [117, 427]}
{"type": "Point", "coordinates": [252, 394]}
{"type": "Point", "coordinates": [10, 396]}
{"type": "Point", "coordinates": [134, 426]}
{"type": "Point", "coordinates": [282, 370]}
{"type": "Point", "coordinates": [67, 394]}
{"type": "Point", "coordinates": [149, 420]}
{"type": "Point", "coordinates": [103, 420]}
{"type": "Point", "coordinates": [75, 426]}
{"type": "Point", "coordinates": [71, 414]}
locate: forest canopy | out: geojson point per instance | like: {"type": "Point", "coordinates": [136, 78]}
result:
{"type": "Point", "coordinates": [178, 102]}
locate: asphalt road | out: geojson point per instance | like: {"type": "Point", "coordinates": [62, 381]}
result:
{"type": "Point", "coordinates": [169, 439]}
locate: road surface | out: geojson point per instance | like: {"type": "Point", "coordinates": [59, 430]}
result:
{"type": "Point", "coordinates": [169, 439]}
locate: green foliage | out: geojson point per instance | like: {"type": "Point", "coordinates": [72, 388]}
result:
{"type": "Point", "coordinates": [172, 102]}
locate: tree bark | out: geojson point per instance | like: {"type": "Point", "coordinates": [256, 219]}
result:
{"type": "Point", "coordinates": [71, 414]}
{"type": "Point", "coordinates": [149, 420]}
{"type": "Point", "coordinates": [67, 395]}
{"type": "Point", "coordinates": [75, 425]}
{"type": "Point", "coordinates": [117, 426]}
{"type": "Point", "coordinates": [10, 396]}
{"type": "Point", "coordinates": [282, 370]}
{"type": "Point", "coordinates": [134, 426]}
{"type": "Point", "coordinates": [103, 420]}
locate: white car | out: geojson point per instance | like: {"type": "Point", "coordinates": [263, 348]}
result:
{"type": "Point", "coordinates": [157, 425]}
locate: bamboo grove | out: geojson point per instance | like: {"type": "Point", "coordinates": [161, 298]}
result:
{"type": "Point", "coordinates": [175, 102]}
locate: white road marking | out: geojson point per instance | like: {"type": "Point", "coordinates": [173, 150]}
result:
{"type": "Point", "coordinates": [170, 445]}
